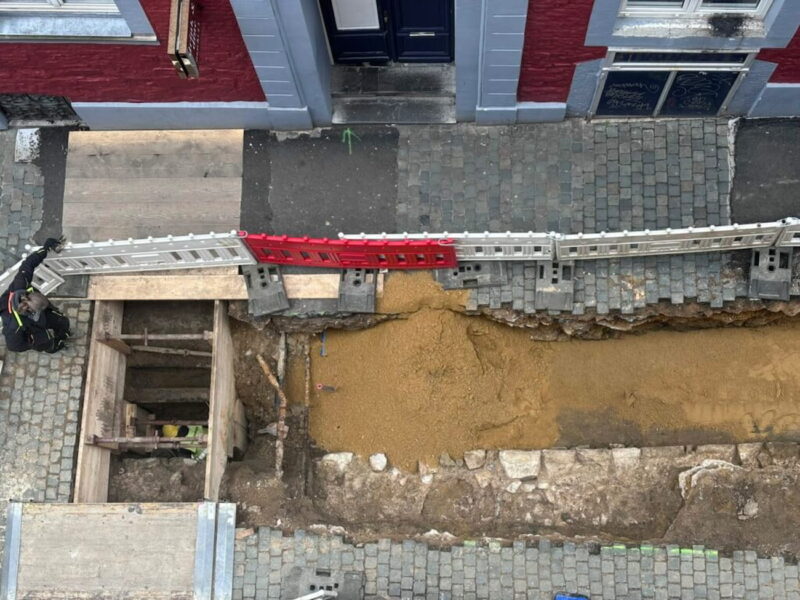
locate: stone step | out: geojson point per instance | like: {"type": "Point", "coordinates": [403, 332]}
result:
{"type": "Point", "coordinates": [393, 80]}
{"type": "Point", "coordinates": [394, 109]}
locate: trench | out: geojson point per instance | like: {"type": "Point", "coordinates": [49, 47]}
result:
{"type": "Point", "coordinates": [422, 380]}
{"type": "Point", "coordinates": [438, 381]}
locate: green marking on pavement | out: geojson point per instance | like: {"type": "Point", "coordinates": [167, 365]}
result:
{"type": "Point", "coordinates": [347, 138]}
{"type": "Point", "coordinates": [646, 548]}
{"type": "Point", "coordinates": [620, 547]}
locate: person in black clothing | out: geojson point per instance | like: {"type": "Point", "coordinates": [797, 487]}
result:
{"type": "Point", "coordinates": [30, 322]}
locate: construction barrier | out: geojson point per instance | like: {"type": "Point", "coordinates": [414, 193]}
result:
{"type": "Point", "coordinates": [44, 279]}
{"type": "Point", "coordinates": [668, 241]}
{"type": "Point", "coordinates": [480, 246]}
{"type": "Point", "coordinates": [532, 246]}
{"type": "Point", "coordinates": [152, 254]}
{"type": "Point", "coordinates": [790, 236]}
{"type": "Point", "coordinates": [369, 254]}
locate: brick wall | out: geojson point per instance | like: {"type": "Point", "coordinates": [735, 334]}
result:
{"type": "Point", "coordinates": [788, 60]}
{"type": "Point", "coordinates": [554, 44]}
{"type": "Point", "coordinates": [137, 73]}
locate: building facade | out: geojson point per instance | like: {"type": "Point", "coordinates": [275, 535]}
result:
{"type": "Point", "coordinates": [296, 64]}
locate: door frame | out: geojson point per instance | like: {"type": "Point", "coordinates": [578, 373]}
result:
{"type": "Point", "coordinates": [674, 68]}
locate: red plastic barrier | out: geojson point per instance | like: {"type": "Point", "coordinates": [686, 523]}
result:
{"type": "Point", "coordinates": [346, 254]}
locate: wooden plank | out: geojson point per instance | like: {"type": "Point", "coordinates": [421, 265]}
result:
{"type": "Point", "coordinates": [319, 286]}
{"type": "Point", "coordinates": [151, 192]}
{"type": "Point", "coordinates": [116, 344]}
{"type": "Point", "coordinates": [137, 421]}
{"type": "Point", "coordinates": [238, 438]}
{"type": "Point", "coordinates": [166, 395]}
{"type": "Point", "coordinates": [165, 287]}
{"type": "Point", "coordinates": [93, 551]}
{"type": "Point", "coordinates": [135, 166]}
{"type": "Point", "coordinates": [135, 184]}
{"type": "Point", "coordinates": [84, 233]}
{"type": "Point", "coordinates": [177, 144]}
{"type": "Point", "coordinates": [204, 287]}
{"type": "Point", "coordinates": [222, 402]}
{"type": "Point", "coordinates": [102, 404]}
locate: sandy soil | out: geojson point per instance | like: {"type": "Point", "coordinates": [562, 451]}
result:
{"type": "Point", "coordinates": [439, 381]}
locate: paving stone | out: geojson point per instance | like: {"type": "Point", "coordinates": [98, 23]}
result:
{"type": "Point", "coordinates": [641, 176]}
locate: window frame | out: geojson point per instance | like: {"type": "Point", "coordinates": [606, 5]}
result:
{"type": "Point", "coordinates": [71, 21]}
{"type": "Point", "coordinates": [58, 7]}
{"type": "Point", "coordinates": [692, 8]}
{"type": "Point", "coordinates": [742, 68]}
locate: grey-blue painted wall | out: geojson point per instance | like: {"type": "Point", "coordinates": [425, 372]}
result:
{"type": "Point", "coordinates": [778, 100]}
{"type": "Point", "coordinates": [174, 115]}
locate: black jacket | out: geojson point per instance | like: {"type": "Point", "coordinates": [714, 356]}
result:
{"type": "Point", "coordinates": [23, 333]}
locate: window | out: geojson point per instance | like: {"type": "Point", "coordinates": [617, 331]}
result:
{"type": "Point", "coordinates": [691, 7]}
{"type": "Point", "coordinates": [637, 83]}
{"type": "Point", "coordinates": [75, 21]}
{"type": "Point", "coordinates": [59, 6]}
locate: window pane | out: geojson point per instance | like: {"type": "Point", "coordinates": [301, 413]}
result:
{"type": "Point", "coordinates": [680, 57]}
{"type": "Point", "coordinates": [669, 3]}
{"type": "Point", "coordinates": [734, 3]}
{"type": "Point", "coordinates": [698, 94]}
{"type": "Point", "coordinates": [632, 93]}
{"type": "Point", "coordinates": [356, 14]}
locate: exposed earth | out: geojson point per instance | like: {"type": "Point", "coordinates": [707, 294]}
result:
{"type": "Point", "coordinates": [429, 382]}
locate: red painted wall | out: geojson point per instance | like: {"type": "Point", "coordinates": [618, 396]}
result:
{"type": "Point", "coordinates": [554, 44]}
{"type": "Point", "coordinates": [788, 59]}
{"type": "Point", "coordinates": [137, 73]}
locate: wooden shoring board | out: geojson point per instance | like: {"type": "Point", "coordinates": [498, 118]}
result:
{"type": "Point", "coordinates": [142, 550]}
{"type": "Point", "coordinates": [222, 404]}
{"type": "Point", "coordinates": [206, 286]}
{"type": "Point", "coordinates": [102, 404]}
{"type": "Point", "coordinates": [152, 176]}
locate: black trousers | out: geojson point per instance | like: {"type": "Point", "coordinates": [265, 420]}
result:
{"type": "Point", "coordinates": [54, 321]}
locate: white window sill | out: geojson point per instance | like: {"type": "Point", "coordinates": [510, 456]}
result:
{"type": "Point", "coordinates": [64, 28]}
{"type": "Point", "coordinates": [681, 26]}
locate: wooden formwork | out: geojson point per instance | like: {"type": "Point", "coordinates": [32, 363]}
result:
{"type": "Point", "coordinates": [105, 408]}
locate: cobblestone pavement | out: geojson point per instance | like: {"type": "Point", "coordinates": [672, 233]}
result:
{"type": "Point", "coordinates": [568, 177]}
{"type": "Point", "coordinates": [39, 393]}
{"type": "Point", "coordinates": [40, 397]}
{"type": "Point", "coordinates": [21, 201]}
{"type": "Point", "coordinates": [413, 570]}
{"type": "Point", "coordinates": [574, 177]}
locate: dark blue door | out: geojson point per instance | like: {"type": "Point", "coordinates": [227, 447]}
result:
{"type": "Point", "coordinates": [389, 30]}
{"type": "Point", "coordinates": [422, 30]}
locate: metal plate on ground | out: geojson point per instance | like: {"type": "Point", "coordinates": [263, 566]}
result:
{"type": "Point", "coordinates": [357, 291]}
{"type": "Point", "coordinates": [299, 581]}
{"type": "Point", "coordinates": [265, 289]}
{"type": "Point", "coordinates": [555, 285]}
{"type": "Point", "coordinates": [470, 275]}
{"type": "Point", "coordinates": [770, 273]}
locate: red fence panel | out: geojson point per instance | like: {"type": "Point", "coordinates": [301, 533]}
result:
{"type": "Point", "coordinates": [346, 254]}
